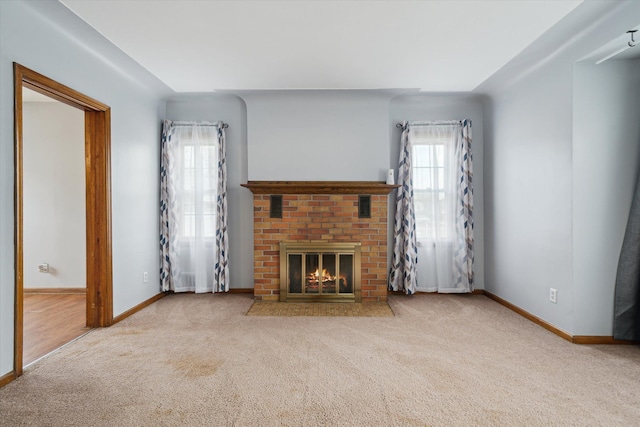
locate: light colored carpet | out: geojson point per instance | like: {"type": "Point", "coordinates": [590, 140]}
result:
{"type": "Point", "coordinates": [351, 309]}
{"type": "Point", "coordinates": [197, 360]}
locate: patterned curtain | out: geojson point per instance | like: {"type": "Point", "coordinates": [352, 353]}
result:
{"type": "Point", "coordinates": [626, 314]}
{"type": "Point", "coordinates": [193, 257]}
{"type": "Point", "coordinates": [221, 282]}
{"type": "Point", "coordinates": [463, 254]}
{"type": "Point", "coordinates": [165, 165]}
{"type": "Point", "coordinates": [403, 274]}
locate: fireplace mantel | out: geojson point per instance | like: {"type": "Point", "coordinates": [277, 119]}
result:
{"type": "Point", "coordinates": [319, 187]}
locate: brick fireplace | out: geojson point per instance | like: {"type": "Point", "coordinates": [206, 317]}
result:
{"type": "Point", "coordinates": [318, 212]}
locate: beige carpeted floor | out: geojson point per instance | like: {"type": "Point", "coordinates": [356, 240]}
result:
{"type": "Point", "coordinates": [442, 360]}
{"type": "Point", "coordinates": [353, 309]}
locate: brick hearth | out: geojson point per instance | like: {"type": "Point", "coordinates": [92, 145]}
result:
{"type": "Point", "coordinates": [320, 218]}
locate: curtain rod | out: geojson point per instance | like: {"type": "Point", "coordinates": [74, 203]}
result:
{"type": "Point", "coordinates": [224, 125]}
{"type": "Point", "coordinates": [400, 125]}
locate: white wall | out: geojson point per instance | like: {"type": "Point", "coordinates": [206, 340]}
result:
{"type": "Point", "coordinates": [54, 218]}
{"type": "Point", "coordinates": [232, 110]}
{"type": "Point", "coordinates": [528, 180]}
{"type": "Point", "coordinates": [318, 135]}
{"type": "Point", "coordinates": [273, 135]}
{"type": "Point", "coordinates": [48, 38]}
{"type": "Point", "coordinates": [528, 196]}
{"type": "Point", "coordinates": [454, 106]}
{"type": "Point", "coordinates": [606, 162]}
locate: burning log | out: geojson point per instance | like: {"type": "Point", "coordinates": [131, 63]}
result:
{"type": "Point", "coordinates": [315, 276]}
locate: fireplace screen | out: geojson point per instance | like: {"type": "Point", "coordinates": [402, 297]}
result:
{"type": "Point", "coordinates": [320, 271]}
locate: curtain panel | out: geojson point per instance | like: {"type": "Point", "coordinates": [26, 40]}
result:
{"type": "Point", "coordinates": [221, 282]}
{"type": "Point", "coordinates": [464, 251]}
{"type": "Point", "coordinates": [403, 275]}
{"type": "Point", "coordinates": [626, 313]}
{"type": "Point", "coordinates": [193, 214]}
{"type": "Point", "coordinates": [165, 166]}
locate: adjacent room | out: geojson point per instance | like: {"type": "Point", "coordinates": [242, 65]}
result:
{"type": "Point", "coordinates": [319, 212]}
{"type": "Point", "coordinates": [53, 216]}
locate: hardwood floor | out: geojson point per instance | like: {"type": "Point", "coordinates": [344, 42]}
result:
{"type": "Point", "coordinates": [50, 321]}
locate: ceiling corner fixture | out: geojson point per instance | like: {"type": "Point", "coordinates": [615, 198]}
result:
{"type": "Point", "coordinates": [630, 44]}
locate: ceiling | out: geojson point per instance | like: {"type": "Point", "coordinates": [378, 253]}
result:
{"type": "Point", "coordinates": [202, 46]}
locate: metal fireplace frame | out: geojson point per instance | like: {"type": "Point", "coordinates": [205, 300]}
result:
{"type": "Point", "coordinates": [320, 248]}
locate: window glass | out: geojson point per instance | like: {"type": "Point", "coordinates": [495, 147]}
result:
{"type": "Point", "coordinates": [430, 188]}
{"type": "Point", "coordinates": [199, 186]}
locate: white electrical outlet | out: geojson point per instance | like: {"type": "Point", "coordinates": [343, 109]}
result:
{"type": "Point", "coordinates": [553, 295]}
{"type": "Point", "coordinates": [145, 277]}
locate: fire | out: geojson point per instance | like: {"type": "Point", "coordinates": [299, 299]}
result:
{"type": "Point", "coordinates": [326, 277]}
{"type": "Point", "coordinates": [326, 281]}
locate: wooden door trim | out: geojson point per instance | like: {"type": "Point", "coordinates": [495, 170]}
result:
{"type": "Point", "coordinates": [98, 200]}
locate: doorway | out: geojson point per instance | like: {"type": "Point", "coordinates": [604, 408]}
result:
{"type": "Point", "coordinates": [54, 228]}
{"type": "Point", "coordinates": [99, 302]}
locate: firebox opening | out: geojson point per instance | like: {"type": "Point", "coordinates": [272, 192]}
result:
{"type": "Point", "coordinates": [320, 272]}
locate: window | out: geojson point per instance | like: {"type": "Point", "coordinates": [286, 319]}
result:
{"type": "Point", "coordinates": [433, 187]}
{"type": "Point", "coordinates": [193, 237]}
{"type": "Point", "coordinates": [194, 181]}
{"type": "Point", "coordinates": [437, 155]}
{"type": "Point", "coordinates": [428, 188]}
{"type": "Point", "coordinates": [199, 186]}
